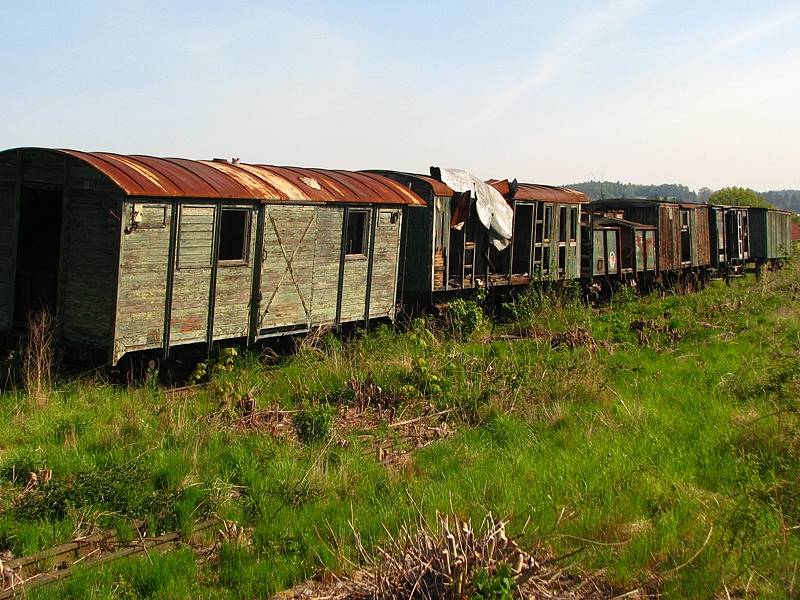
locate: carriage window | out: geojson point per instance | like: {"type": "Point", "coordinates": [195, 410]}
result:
{"type": "Point", "coordinates": [356, 230]}
{"type": "Point", "coordinates": [548, 222]}
{"type": "Point", "coordinates": [150, 216]}
{"type": "Point", "coordinates": [573, 224]}
{"type": "Point", "coordinates": [562, 224]}
{"type": "Point", "coordinates": [233, 234]}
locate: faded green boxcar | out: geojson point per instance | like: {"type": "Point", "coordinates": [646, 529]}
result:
{"type": "Point", "coordinates": [135, 253]}
{"type": "Point", "coordinates": [770, 233]}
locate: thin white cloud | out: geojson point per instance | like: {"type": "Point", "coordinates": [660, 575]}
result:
{"type": "Point", "coordinates": [581, 32]}
{"type": "Point", "coordinates": [771, 25]}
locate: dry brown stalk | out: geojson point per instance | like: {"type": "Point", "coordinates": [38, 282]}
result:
{"type": "Point", "coordinates": [39, 355]}
{"type": "Point", "coordinates": [441, 562]}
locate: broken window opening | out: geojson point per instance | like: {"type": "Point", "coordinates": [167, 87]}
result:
{"type": "Point", "coordinates": [548, 222]}
{"type": "Point", "coordinates": [573, 225]}
{"type": "Point", "coordinates": [233, 235]}
{"type": "Point", "coordinates": [355, 243]}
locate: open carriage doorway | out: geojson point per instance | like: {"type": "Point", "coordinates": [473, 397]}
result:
{"type": "Point", "coordinates": [38, 252]}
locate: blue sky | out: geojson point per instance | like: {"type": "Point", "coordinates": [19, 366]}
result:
{"type": "Point", "coordinates": [650, 91]}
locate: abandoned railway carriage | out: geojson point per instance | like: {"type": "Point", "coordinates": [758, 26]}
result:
{"type": "Point", "coordinates": [682, 232]}
{"type": "Point", "coordinates": [136, 253]}
{"type": "Point", "coordinates": [139, 253]}
{"type": "Point", "coordinates": [446, 249]}
{"type": "Point", "coordinates": [546, 245]}
{"type": "Point", "coordinates": [771, 234]}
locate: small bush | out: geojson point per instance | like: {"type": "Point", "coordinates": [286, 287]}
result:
{"type": "Point", "coordinates": [465, 317]}
{"type": "Point", "coordinates": [494, 586]}
{"type": "Point", "coordinates": [314, 423]}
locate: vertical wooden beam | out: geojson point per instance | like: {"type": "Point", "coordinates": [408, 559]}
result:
{"type": "Point", "coordinates": [374, 214]}
{"type": "Point", "coordinates": [513, 237]}
{"type": "Point", "coordinates": [532, 256]}
{"type": "Point", "coordinates": [212, 287]}
{"type": "Point", "coordinates": [117, 201]}
{"type": "Point", "coordinates": [486, 249]}
{"type": "Point", "coordinates": [171, 262]}
{"type": "Point", "coordinates": [342, 250]}
{"type": "Point", "coordinates": [12, 313]}
{"type": "Point", "coordinates": [63, 244]}
{"type": "Point", "coordinates": [255, 291]}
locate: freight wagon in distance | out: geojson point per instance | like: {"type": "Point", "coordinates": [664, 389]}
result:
{"type": "Point", "coordinates": [136, 253]}
{"type": "Point", "coordinates": [446, 250]}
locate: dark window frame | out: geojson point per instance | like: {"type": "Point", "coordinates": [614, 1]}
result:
{"type": "Point", "coordinates": [573, 224]}
{"type": "Point", "coordinates": [353, 249]}
{"type": "Point", "coordinates": [243, 256]}
{"type": "Point", "coordinates": [563, 215]}
{"type": "Point", "coordinates": [547, 223]}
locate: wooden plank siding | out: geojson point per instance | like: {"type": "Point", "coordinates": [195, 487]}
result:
{"type": "Point", "coordinates": [385, 264]}
{"type": "Point", "coordinates": [192, 278]}
{"type": "Point", "coordinates": [234, 287]}
{"type": "Point", "coordinates": [326, 264]}
{"type": "Point", "coordinates": [7, 253]}
{"type": "Point", "coordinates": [141, 289]}
{"type": "Point", "coordinates": [287, 270]}
{"type": "Point", "coordinates": [89, 268]}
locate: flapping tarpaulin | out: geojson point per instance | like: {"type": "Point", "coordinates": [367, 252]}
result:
{"type": "Point", "coordinates": [493, 211]}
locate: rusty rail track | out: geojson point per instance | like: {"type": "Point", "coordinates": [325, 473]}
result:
{"type": "Point", "coordinates": [59, 562]}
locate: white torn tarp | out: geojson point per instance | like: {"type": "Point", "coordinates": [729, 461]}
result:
{"type": "Point", "coordinates": [493, 211]}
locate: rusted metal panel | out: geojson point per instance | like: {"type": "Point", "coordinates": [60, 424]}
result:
{"type": "Point", "coordinates": [539, 192]}
{"type": "Point", "coordinates": [423, 185]}
{"type": "Point", "coordinates": [148, 176]}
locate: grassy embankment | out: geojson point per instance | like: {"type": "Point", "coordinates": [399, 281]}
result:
{"type": "Point", "coordinates": [659, 435]}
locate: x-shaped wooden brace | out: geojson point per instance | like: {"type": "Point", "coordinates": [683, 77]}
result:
{"type": "Point", "coordinates": [288, 269]}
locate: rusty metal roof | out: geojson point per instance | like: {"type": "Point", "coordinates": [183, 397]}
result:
{"type": "Point", "coordinates": [616, 222]}
{"type": "Point", "coordinates": [149, 176]}
{"type": "Point", "coordinates": [438, 188]}
{"type": "Point", "coordinates": [541, 193]}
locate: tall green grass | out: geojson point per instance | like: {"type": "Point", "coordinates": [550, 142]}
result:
{"type": "Point", "coordinates": [661, 439]}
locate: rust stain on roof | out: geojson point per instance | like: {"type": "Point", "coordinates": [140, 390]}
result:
{"type": "Point", "coordinates": [149, 176]}
{"type": "Point", "coordinates": [540, 192]}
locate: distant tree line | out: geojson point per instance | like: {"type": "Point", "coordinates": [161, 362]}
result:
{"type": "Point", "coordinates": [785, 199]}
{"type": "Point", "coordinates": [616, 189]}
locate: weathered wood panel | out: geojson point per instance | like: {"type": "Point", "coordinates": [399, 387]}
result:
{"type": "Point", "coordinates": [89, 265]}
{"type": "Point", "coordinates": [354, 282]}
{"type": "Point", "coordinates": [192, 279]}
{"type": "Point", "coordinates": [8, 165]}
{"type": "Point", "coordinates": [287, 270]}
{"type": "Point", "coordinates": [385, 264]}
{"type": "Point", "coordinates": [142, 287]}
{"type": "Point", "coordinates": [233, 289]}
{"type": "Point", "coordinates": [701, 237]}
{"type": "Point", "coordinates": [42, 166]}
{"type": "Point", "coordinates": [326, 264]}
{"type": "Point", "coordinates": [7, 270]}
